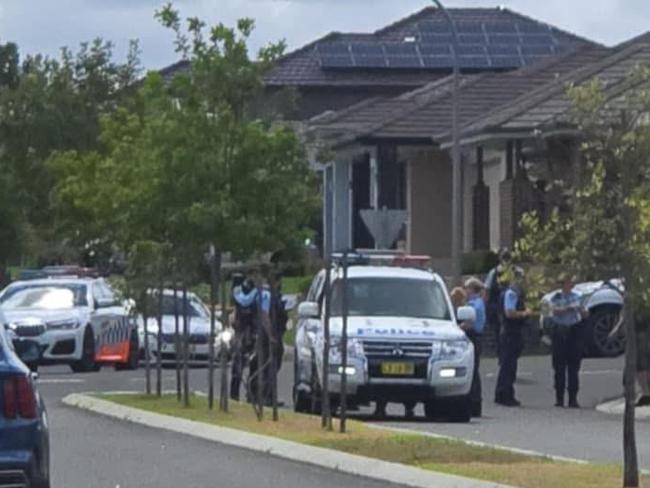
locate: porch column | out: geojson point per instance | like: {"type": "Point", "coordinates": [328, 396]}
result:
{"type": "Point", "coordinates": [481, 207]}
{"type": "Point", "coordinates": [374, 178]}
{"type": "Point", "coordinates": [507, 199]}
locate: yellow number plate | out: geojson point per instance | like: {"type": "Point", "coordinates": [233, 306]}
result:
{"type": "Point", "coordinates": [398, 369]}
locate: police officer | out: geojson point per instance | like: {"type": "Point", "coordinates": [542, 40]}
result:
{"type": "Point", "coordinates": [515, 314]}
{"type": "Point", "coordinates": [567, 314]}
{"type": "Point", "coordinates": [494, 288]}
{"type": "Point", "coordinates": [474, 330]}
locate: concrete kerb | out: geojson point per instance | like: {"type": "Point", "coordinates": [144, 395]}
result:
{"type": "Point", "coordinates": [326, 458]}
{"type": "Point", "coordinates": [617, 407]}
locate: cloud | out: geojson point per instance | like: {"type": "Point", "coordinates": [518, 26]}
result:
{"type": "Point", "coordinates": [46, 25]}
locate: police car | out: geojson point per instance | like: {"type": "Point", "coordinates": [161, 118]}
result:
{"type": "Point", "coordinates": [198, 328]}
{"type": "Point", "coordinates": [404, 343]}
{"type": "Point", "coordinates": [75, 321]}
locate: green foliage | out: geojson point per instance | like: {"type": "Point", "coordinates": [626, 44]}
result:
{"type": "Point", "coordinates": [478, 262]}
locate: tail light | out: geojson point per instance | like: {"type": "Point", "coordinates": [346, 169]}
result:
{"type": "Point", "coordinates": [19, 398]}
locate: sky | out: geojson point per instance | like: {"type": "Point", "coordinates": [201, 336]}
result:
{"type": "Point", "coordinates": [44, 26]}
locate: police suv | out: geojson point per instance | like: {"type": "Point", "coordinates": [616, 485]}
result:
{"type": "Point", "coordinates": [404, 343]}
{"type": "Point", "coordinates": [74, 320]}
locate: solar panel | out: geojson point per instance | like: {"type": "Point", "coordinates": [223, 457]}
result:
{"type": "Point", "coordinates": [436, 39]}
{"type": "Point", "coordinates": [370, 61]}
{"type": "Point", "coordinates": [400, 61]}
{"type": "Point", "coordinates": [336, 61]}
{"type": "Point", "coordinates": [474, 62]}
{"type": "Point", "coordinates": [471, 39]}
{"type": "Point", "coordinates": [438, 61]}
{"type": "Point", "coordinates": [435, 49]}
{"type": "Point", "coordinates": [537, 50]}
{"type": "Point", "coordinates": [401, 48]}
{"type": "Point", "coordinates": [471, 50]}
{"type": "Point", "coordinates": [534, 59]}
{"type": "Point", "coordinates": [434, 27]}
{"type": "Point", "coordinates": [532, 27]}
{"type": "Point", "coordinates": [333, 48]}
{"type": "Point", "coordinates": [537, 39]}
{"type": "Point", "coordinates": [503, 50]}
{"type": "Point", "coordinates": [469, 27]}
{"type": "Point", "coordinates": [366, 49]}
{"type": "Point", "coordinates": [500, 27]}
{"type": "Point", "coordinates": [506, 61]}
{"type": "Point", "coordinates": [504, 39]}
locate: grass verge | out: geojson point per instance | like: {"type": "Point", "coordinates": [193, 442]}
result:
{"type": "Point", "coordinates": [447, 456]}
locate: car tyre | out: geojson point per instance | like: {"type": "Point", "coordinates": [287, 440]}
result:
{"type": "Point", "coordinates": [431, 410]}
{"type": "Point", "coordinates": [133, 359]}
{"type": "Point", "coordinates": [602, 322]}
{"type": "Point", "coordinates": [461, 410]}
{"type": "Point", "coordinates": [87, 362]}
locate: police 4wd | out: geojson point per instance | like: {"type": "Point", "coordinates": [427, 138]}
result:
{"type": "Point", "coordinates": [404, 344]}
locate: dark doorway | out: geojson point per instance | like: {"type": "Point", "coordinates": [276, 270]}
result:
{"type": "Point", "coordinates": [361, 238]}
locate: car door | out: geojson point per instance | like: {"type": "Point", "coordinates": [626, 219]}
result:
{"type": "Point", "coordinates": [110, 324]}
{"type": "Point", "coordinates": [305, 330]}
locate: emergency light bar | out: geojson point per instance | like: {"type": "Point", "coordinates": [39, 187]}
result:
{"type": "Point", "coordinates": [383, 258]}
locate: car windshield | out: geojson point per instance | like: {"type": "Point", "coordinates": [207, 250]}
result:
{"type": "Point", "coordinates": [168, 307]}
{"type": "Point", "coordinates": [49, 297]}
{"type": "Point", "coordinates": [391, 297]}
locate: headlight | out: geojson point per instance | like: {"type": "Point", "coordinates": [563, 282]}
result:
{"type": "Point", "coordinates": [450, 350]}
{"type": "Point", "coordinates": [225, 336]}
{"type": "Point", "coordinates": [63, 324]}
{"type": "Point", "coordinates": [355, 349]}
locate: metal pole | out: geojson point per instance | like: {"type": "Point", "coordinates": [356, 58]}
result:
{"type": "Point", "coordinates": [456, 230]}
{"type": "Point", "coordinates": [344, 345]}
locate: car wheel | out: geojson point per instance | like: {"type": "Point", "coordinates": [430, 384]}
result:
{"type": "Point", "coordinates": [316, 406]}
{"type": "Point", "coordinates": [133, 359]}
{"type": "Point", "coordinates": [602, 323]}
{"type": "Point", "coordinates": [431, 410]}
{"type": "Point", "coordinates": [301, 400]}
{"type": "Point", "coordinates": [87, 362]}
{"type": "Point", "coordinates": [460, 410]}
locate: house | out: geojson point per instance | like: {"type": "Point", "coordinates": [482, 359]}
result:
{"type": "Point", "coordinates": [394, 152]}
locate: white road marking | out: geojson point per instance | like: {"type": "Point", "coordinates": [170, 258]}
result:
{"type": "Point", "coordinates": [56, 381]}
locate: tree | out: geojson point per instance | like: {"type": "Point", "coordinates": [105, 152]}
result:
{"type": "Point", "coordinates": [607, 234]}
{"type": "Point", "coordinates": [49, 105]}
{"type": "Point", "coordinates": [188, 165]}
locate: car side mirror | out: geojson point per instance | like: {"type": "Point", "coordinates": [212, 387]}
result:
{"type": "Point", "coordinates": [466, 314]}
{"type": "Point", "coordinates": [104, 302]}
{"type": "Point", "coordinates": [308, 310]}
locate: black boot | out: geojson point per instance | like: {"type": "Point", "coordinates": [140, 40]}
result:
{"type": "Point", "coordinates": [559, 400]}
{"type": "Point", "coordinates": [573, 401]}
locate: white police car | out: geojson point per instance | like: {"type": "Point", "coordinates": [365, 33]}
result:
{"type": "Point", "coordinates": [75, 321]}
{"type": "Point", "coordinates": [404, 344]}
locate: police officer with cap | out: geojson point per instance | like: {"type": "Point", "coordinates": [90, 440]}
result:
{"type": "Point", "coordinates": [474, 330]}
{"type": "Point", "coordinates": [515, 314]}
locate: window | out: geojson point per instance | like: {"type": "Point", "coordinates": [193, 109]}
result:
{"type": "Point", "coordinates": [43, 296]}
{"type": "Point", "coordinates": [391, 297]}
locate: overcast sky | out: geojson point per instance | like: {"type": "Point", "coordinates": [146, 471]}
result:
{"type": "Point", "coordinates": [46, 25]}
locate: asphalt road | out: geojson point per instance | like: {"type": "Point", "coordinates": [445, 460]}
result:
{"type": "Point", "coordinates": [111, 454]}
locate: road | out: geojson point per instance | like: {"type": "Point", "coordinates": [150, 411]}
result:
{"type": "Point", "coordinates": [88, 447]}
{"type": "Point", "coordinates": [93, 451]}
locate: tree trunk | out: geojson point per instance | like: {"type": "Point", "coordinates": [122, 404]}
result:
{"type": "Point", "coordinates": [147, 348]}
{"type": "Point", "coordinates": [225, 324]}
{"type": "Point", "coordinates": [186, 346]}
{"type": "Point", "coordinates": [159, 341]}
{"type": "Point", "coordinates": [344, 347]}
{"type": "Point", "coordinates": [177, 344]}
{"type": "Point", "coordinates": [215, 266]}
{"type": "Point", "coordinates": [326, 419]}
{"type": "Point", "coordinates": [630, 456]}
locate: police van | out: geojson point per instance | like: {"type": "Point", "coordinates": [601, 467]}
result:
{"type": "Point", "coordinates": [404, 344]}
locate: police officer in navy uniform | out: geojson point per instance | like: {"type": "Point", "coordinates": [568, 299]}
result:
{"type": "Point", "coordinates": [244, 293]}
{"type": "Point", "coordinates": [515, 314]}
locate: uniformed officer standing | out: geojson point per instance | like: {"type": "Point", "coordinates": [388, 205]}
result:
{"type": "Point", "coordinates": [474, 331]}
{"type": "Point", "coordinates": [244, 293]}
{"type": "Point", "coordinates": [567, 314]}
{"type": "Point", "coordinates": [515, 314]}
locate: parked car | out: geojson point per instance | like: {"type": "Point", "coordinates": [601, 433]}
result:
{"type": "Point", "coordinates": [24, 433]}
{"type": "Point", "coordinates": [75, 321]}
{"type": "Point", "coordinates": [198, 330]}
{"type": "Point", "coordinates": [604, 301]}
{"type": "Point", "coordinates": [404, 343]}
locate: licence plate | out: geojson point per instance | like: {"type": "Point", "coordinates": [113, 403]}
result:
{"type": "Point", "coordinates": [398, 369]}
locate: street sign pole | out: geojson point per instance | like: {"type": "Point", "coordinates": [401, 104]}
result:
{"type": "Point", "coordinates": [344, 344]}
